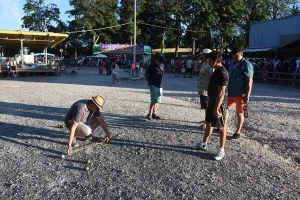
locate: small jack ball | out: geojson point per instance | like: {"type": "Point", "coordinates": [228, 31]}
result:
{"type": "Point", "coordinates": [88, 161]}
{"type": "Point", "coordinates": [63, 156]}
{"type": "Point", "coordinates": [87, 168]}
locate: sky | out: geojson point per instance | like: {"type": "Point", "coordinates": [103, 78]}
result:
{"type": "Point", "coordinates": [11, 12]}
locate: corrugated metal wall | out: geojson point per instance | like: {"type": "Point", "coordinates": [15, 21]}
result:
{"type": "Point", "coordinates": [267, 33]}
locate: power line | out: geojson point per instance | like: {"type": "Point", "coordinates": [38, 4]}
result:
{"type": "Point", "coordinates": [177, 29]}
{"type": "Point", "coordinates": [157, 26]}
{"type": "Point", "coordinates": [96, 29]}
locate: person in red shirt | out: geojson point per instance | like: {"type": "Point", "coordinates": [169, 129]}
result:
{"type": "Point", "coordinates": [177, 64]}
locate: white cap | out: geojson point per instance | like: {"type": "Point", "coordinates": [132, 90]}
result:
{"type": "Point", "coordinates": [206, 51]}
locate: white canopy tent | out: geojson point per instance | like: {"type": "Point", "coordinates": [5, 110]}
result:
{"type": "Point", "coordinates": [100, 55]}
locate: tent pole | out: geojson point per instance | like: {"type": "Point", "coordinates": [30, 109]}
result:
{"type": "Point", "coordinates": [46, 54]}
{"type": "Point", "coordinates": [22, 60]}
{"type": "Point", "coordinates": [134, 35]}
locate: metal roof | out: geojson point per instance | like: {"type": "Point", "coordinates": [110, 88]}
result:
{"type": "Point", "coordinates": [269, 34]}
{"type": "Point", "coordinates": [31, 39]}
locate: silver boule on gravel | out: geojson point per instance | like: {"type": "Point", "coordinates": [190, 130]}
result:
{"type": "Point", "coordinates": [87, 168]}
{"type": "Point", "coordinates": [88, 161]}
{"type": "Point", "coordinates": [63, 156]}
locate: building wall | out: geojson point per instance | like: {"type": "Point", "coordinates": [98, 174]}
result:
{"type": "Point", "coordinates": [267, 33]}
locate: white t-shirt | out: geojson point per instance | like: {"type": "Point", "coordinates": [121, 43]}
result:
{"type": "Point", "coordinates": [203, 79]}
{"type": "Point", "coordinates": [172, 62]}
{"type": "Point", "coordinates": [14, 63]}
{"type": "Point", "coordinates": [298, 64]}
{"type": "Point", "coordinates": [188, 64]}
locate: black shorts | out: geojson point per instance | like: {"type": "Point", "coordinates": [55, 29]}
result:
{"type": "Point", "coordinates": [216, 122]}
{"type": "Point", "coordinates": [14, 68]}
{"type": "Point", "coordinates": [188, 70]}
{"type": "Point", "coordinates": [204, 101]}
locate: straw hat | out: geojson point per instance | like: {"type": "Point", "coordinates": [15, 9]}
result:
{"type": "Point", "coordinates": [99, 101]}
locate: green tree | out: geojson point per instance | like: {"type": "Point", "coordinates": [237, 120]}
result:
{"type": "Point", "coordinates": [126, 15]}
{"type": "Point", "coordinates": [257, 10]}
{"type": "Point", "coordinates": [281, 8]}
{"type": "Point", "coordinates": [295, 10]}
{"type": "Point", "coordinates": [89, 17]}
{"type": "Point", "coordinates": [38, 15]}
{"type": "Point", "coordinates": [227, 17]}
{"type": "Point", "coordinates": [198, 17]}
{"type": "Point", "coordinates": [93, 15]}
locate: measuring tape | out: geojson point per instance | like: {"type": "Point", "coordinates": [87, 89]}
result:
{"type": "Point", "coordinates": [87, 146]}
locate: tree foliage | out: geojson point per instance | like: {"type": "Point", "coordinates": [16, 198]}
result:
{"type": "Point", "coordinates": [37, 13]}
{"type": "Point", "coordinates": [160, 23]}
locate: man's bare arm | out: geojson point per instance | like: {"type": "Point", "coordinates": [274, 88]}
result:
{"type": "Point", "coordinates": [220, 97]}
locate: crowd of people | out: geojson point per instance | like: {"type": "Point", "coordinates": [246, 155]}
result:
{"type": "Point", "coordinates": [213, 85]}
{"type": "Point", "coordinates": [276, 67]}
{"type": "Point", "coordinates": [262, 67]}
{"type": "Point", "coordinates": [219, 89]}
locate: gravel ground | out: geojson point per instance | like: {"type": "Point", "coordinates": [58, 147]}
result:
{"type": "Point", "coordinates": [145, 160]}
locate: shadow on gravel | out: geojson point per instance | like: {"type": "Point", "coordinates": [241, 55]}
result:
{"type": "Point", "coordinates": [30, 145]}
{"type": "Point", "coordinates": [275, 99]}
{"type": "Point", "coordinates": [33, 111]}
{"type": "Point", "coordinates": [120, 121]}
{"type": "Point", "coordinates": [26, 136]}
{"type": "Point", "coordinates": [206, 156]}
{"type": "Point", "coordinates": [74, 168]}
{"type": "Point", "coordinates": [85, 76]}
{"type": "Point", "coordinates": [174, 148]}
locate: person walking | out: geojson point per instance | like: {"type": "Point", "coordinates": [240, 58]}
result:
{"type": "Point", "coordinates": [8, 67]}
{"type": "Point", "coordinates": [205, 72]}
{"type": "Point", "coordinates": [189, 69]}
{"type": "Point", "coordinates": [101, 66]}
{"type": "Point", "coordinates": [81, 113]}
{"type": "Point", "coordinates": [128, 65]}
{"type": "Point", "coordinates": [239, 86]}
{"type": "Point", "coordinates": [177, 64]}
{"type": "Point", "coordinates": [217, 107]}
{"type": "Point", "coordinates": [153, 76]}
{"type": "Point", "coordinates": [115, 73]}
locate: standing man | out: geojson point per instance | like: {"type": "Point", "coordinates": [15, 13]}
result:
{"type": "Point", "coordinates": [189, 69]}
{"type": "Point", "coordinates": [82, 112]}
{"type": "Point", "coordinates": [217, 108]}
{"type": "Point", "coordinates": [153, 76]}
{"type": "Point", "coordinates": [239, 86]}
{"type": "Point", "coordinates": [205, 72]}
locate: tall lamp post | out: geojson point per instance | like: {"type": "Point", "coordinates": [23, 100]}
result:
{"type": "Point", "coordinates": [134, 35]}
{"type": "Point", "coordinates": [46, 30]}
{"type": "Point", "coordinates": [21, 40]}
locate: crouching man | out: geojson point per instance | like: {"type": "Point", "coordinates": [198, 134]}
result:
{"type": "Point", "coordinates": [80, 114]}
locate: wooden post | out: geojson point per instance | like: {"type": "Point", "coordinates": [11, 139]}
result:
{"type": "Point", "coordinates": [266, 76]}
{"type": "Point", "coordinates": [294, 79]}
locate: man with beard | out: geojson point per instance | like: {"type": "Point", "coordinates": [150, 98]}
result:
{"type": "Point", "coordinates": [239, 86]}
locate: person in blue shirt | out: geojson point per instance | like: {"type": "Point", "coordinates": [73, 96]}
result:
{"type": "Point", "coordinates": [239, 86]}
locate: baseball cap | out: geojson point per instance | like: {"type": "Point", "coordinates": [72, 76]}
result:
{"type": "Point", "coordinates": [207, 51]}
{"type": "Point", "coordinates": [236, 50]}
{"type": "Point", "coordinates": [160, 58]}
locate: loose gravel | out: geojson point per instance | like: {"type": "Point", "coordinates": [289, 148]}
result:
{"type": "Point", "coordinates": [145, 160]}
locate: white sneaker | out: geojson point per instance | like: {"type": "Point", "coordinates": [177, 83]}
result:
{"type": "Point", "coordinates": [220, 155]}
{"type": "Point", "coordinates": [200, 146]}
